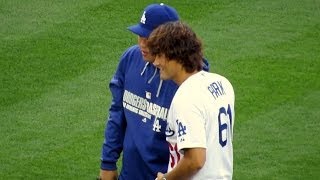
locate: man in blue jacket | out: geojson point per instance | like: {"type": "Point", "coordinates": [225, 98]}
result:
{"type": "Point", "coordinates": [140, 102]}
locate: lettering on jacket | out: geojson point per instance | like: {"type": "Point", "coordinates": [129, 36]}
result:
{"type": "Point", "coordinates": [143, 107]}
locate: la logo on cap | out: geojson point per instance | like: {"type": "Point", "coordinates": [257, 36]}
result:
{"type": "Point", "coordinates": [143, 18]}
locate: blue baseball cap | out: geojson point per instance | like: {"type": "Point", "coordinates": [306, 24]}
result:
{"type": "Point", "coordinates": [153, 16]}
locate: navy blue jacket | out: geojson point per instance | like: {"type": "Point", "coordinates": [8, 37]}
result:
{"type": "Point", "coordinates": [137, 119]}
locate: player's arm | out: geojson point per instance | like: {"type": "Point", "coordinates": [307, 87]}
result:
{"type": "Point", "coordinates": [114, 134]}
{"type": "Point", "coordinates": [192, 161]}
{"type": "Point", "coordinates": [115, 128]}
{"type": "Point", "coordinates": [192, 139]}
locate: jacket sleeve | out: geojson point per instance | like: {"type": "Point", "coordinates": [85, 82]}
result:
{"type": "Point", "coordinates": [116, 124]}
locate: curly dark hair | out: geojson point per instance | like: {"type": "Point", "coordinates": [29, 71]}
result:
{"type": "Point", "coordinates": [177, 41]}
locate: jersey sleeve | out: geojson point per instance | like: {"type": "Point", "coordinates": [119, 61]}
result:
{"type": "Point", "coordinates": [190, 127]}
{"type": "Point", "coordinates": [116, 122]}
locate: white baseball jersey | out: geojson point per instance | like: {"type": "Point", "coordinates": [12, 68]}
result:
{"type": "Point", "coordinates": [202, 115]}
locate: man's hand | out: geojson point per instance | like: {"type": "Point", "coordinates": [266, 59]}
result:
{"type": "Point", "coordinates": [108, 175]}
{"type": "Point", "coordinates": [160, 176]}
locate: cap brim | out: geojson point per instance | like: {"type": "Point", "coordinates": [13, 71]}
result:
{"type": "Point", "coordinates": [139, 30]}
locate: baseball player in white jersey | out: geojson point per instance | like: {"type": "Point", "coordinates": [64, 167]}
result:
{"type": "Point", "coordinates": [201, 116]}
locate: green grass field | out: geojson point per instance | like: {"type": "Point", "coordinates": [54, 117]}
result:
{"type": "Point", "coordinates": [57, 57]}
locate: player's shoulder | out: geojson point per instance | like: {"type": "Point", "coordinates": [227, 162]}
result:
{"type": "Point", "coordinates": [190, 87]}
{"type": "Point", "coordinates": [131, 54]}
{"type": "Point", "coordinates": [219, 77]}
{"type": "Point", "coordinates": [132, 50]}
